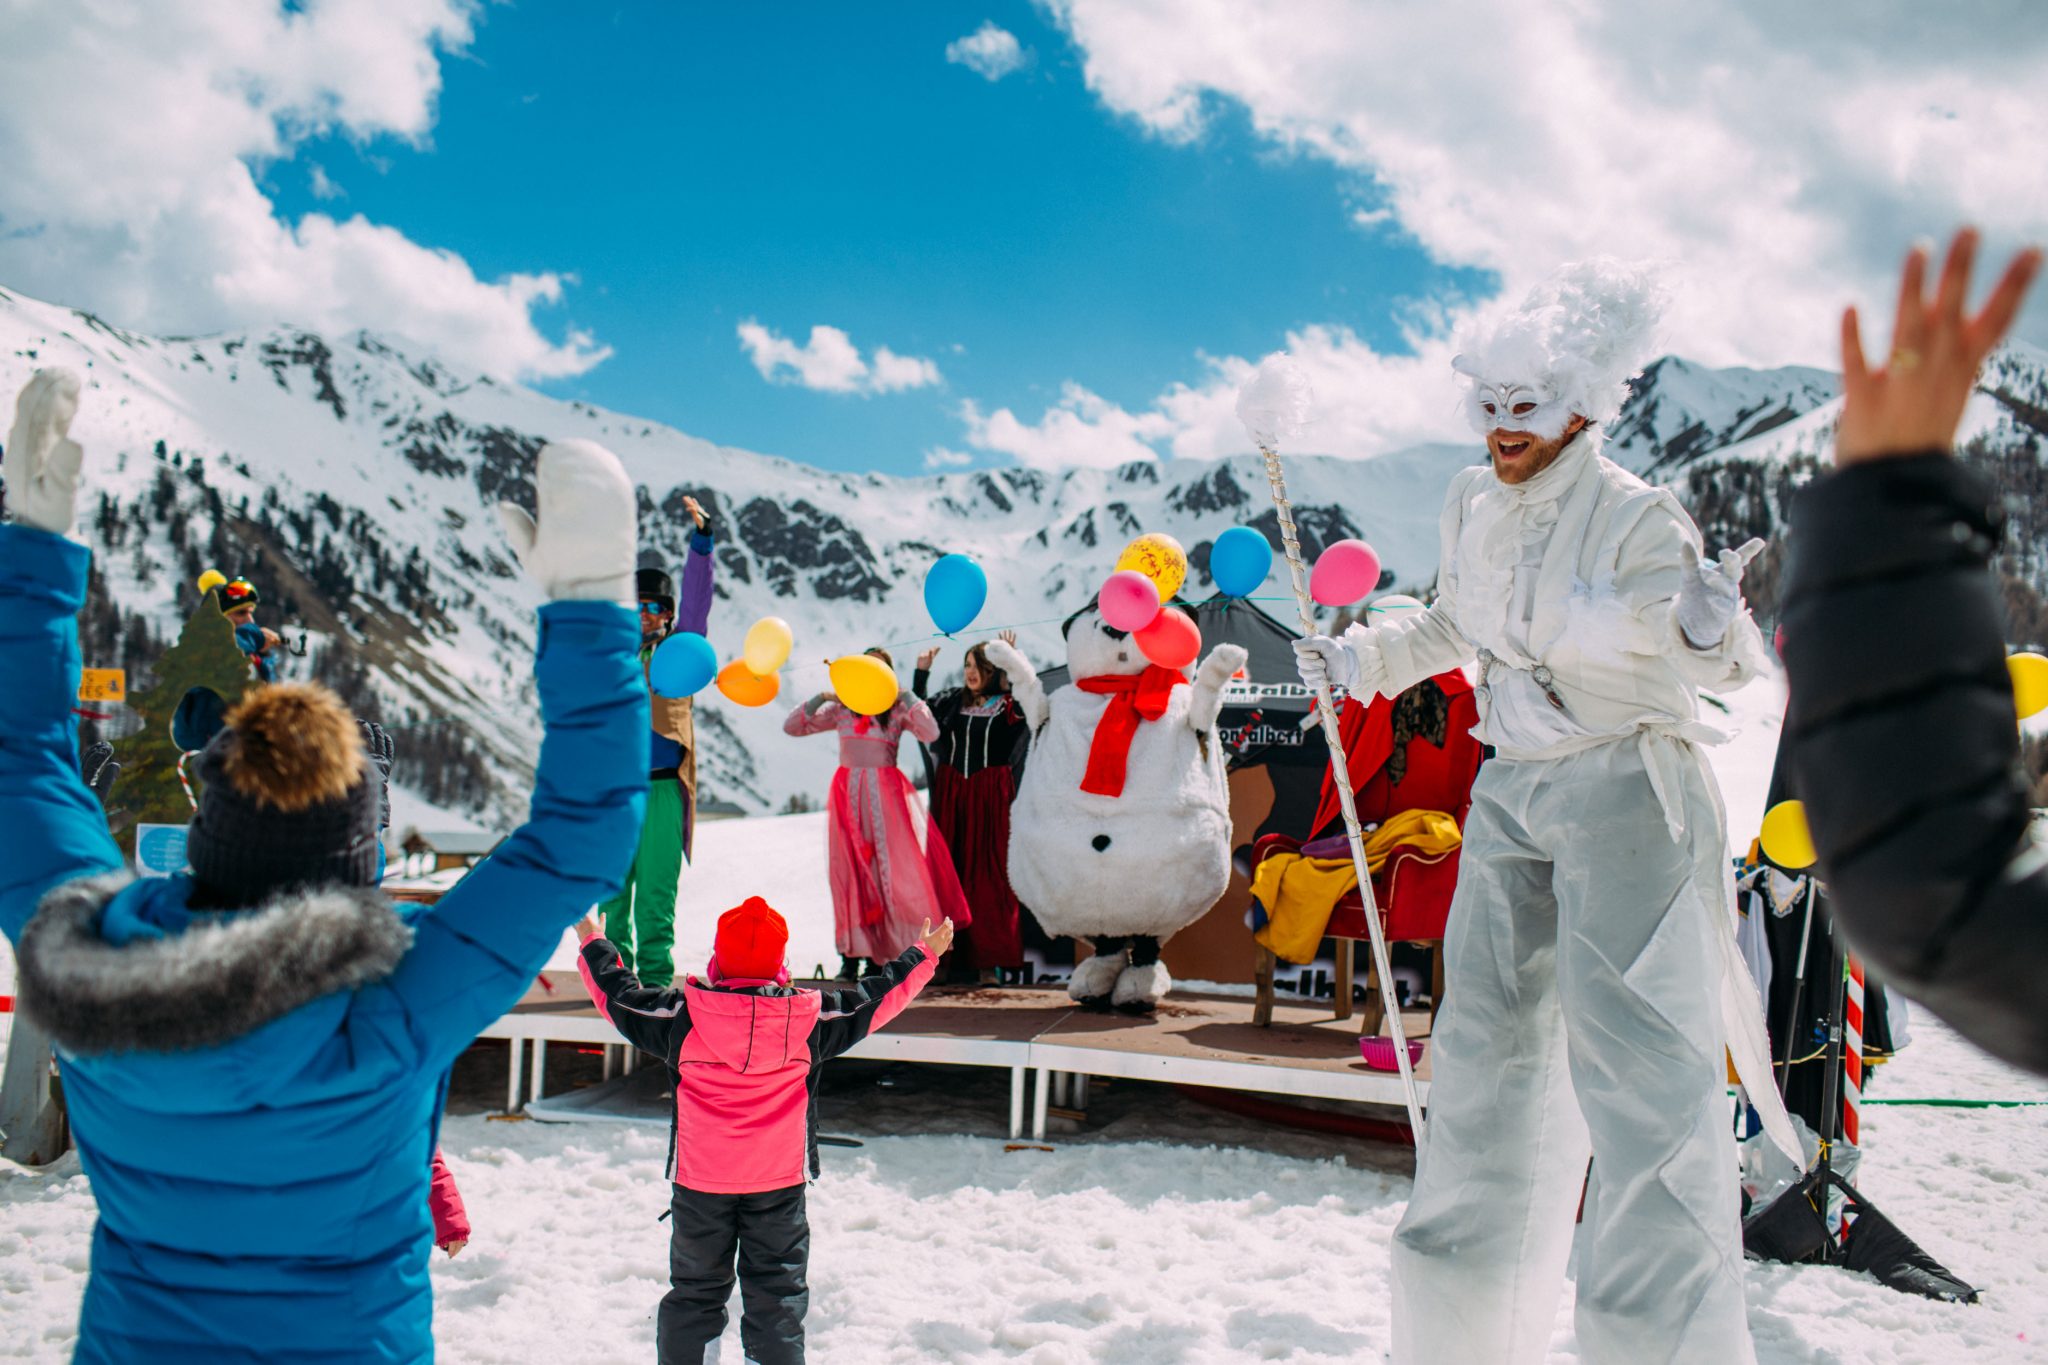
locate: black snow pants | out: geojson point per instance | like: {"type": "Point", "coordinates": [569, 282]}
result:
{"type": "Point", "coordinates": [771, 1232]}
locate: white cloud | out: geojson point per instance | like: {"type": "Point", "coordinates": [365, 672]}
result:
{"type": "Point", "coordinates": [321, 184]}
{"type": "Point", "coordinates": [1783, 159]}
{"type": "Point", "coordinates": [989, 52]}
{"type": "Point", "coordinates": [891, 372]}
{"type": "Point", "coordinates": [138, 199]}
{"type": "Point", "coordinates": [831, 363]}
{"type": "Point", "coordinates": [940, 457]}
{"type": "Point", "coordinates": [1082, 429]}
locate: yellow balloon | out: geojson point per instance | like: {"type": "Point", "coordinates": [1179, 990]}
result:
{"type": "Point", "coordinates": [211, 579]}
{"type": "Point", "coordinates": [1786, 837]}
{"type": "Point", "coordinates": [1160, 558]}
{"type": "Point", "coordinates": [2029, 683]}
{"type": "Point", "coordinates": [767, 645]}
{"type": "Point", "coordinates": [864, 684]}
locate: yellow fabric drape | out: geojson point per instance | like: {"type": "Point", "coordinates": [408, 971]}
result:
{"type": "Point", "coordinates": [1299, 893]}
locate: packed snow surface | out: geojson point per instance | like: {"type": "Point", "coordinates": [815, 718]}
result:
{"type": "Point", "coordinates": [1138, 1241]}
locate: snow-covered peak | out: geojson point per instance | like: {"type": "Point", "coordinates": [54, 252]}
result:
{"type": "Point", "coordinates": [1679, 411]}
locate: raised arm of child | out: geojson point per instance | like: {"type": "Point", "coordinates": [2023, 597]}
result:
{"type": "Point", "coordinates": [847, 1016]}
{"type": "Point", "coordinates": [653, 1019]}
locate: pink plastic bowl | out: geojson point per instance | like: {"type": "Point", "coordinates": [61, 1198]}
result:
{"type": "Point", "coordinates": [1379, 1053]}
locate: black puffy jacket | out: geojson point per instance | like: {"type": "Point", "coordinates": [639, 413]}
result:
{"type": "Point", "coordinates": [1903, 745]}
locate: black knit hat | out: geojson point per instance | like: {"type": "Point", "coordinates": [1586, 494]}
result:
{"type": "Point", "coordinates": [288, 801]}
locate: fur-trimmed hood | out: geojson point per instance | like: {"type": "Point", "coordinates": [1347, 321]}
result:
{"type": "Point", "coordinates": [177, 980]}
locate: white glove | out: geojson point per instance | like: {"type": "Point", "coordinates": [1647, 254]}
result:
{"type": "Point", "coordinates": [42, 460]}
{"type": "Point", "coordinates": [1009, 659]}
{"type": "Point", "coordinates": [1711, 594]}
{"type": "Point", "coordinates": [1324, 661]}
{"type": "Point", "coordinates": [583, 547]}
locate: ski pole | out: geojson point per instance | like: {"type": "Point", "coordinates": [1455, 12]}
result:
{"type": "Point", "coordinates": [1341, 773]}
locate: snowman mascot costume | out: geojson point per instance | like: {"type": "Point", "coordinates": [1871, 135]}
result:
{"type": "Point", "coordinates": [1120, 833]}
{"type": "Point", "coordinates": [1592, 975]}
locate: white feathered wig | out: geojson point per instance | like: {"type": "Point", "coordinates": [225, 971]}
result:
{"type": "Point", "coordinates": [1571, 348]}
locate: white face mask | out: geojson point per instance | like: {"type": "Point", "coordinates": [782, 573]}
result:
{"type": "Point", "coordinates": [1516, 407]}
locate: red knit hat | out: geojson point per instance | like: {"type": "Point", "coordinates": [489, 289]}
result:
{"type": "Point", "coordinates": [752, 939]}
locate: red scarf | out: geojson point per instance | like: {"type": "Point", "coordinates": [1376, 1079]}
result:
{"type": "Point", "coordinates": [1132, 697]}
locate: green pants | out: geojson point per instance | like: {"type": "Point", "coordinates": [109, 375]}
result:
{"type": "Point", "coordinates": [641, 920]}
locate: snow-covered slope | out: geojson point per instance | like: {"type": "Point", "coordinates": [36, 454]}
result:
{"type": "Point", "coordinates": [354, 483]}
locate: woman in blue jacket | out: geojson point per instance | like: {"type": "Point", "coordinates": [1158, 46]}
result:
{"type": "Point", "coordinates": [255, 1053]}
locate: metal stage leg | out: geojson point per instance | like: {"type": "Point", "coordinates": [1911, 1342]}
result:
{"type": "Point", "coordinates": [627, 1053]}
{"type": "Point", "coordinates": [540, 1063]}
{"type": "Point", "coordinates": [607, 1063]}
{"type": "Point", "coordinates": [1039, 1098]}
{"type": "Point", "coordinates": [1016, 1102]}
{"type": "Point", "coordinates": [516, 1047]}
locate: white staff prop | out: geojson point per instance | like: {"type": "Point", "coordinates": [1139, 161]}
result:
{"type": "Point", "coordinates": [1276, 402]}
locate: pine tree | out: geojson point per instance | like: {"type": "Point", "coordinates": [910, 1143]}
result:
{"type": "Point", "coordinates": [205, 655]}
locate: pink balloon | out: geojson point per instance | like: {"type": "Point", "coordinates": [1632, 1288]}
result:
{"type": "Point", "coordinates": [1172, 640]}
{"type": "Point", "coordinates": [1129, 600]}
{"type": "Point", "coordinates": [1344, 573]}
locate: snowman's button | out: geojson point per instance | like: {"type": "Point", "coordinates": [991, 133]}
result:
{"type": "Point", "coordinates": [1100, 841]}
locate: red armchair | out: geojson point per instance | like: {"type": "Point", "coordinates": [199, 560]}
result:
{"type": "Point", "coordinates": [1413, 888]}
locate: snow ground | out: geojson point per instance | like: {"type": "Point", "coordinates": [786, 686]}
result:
{"type": "Point", "coordinates": [1166, 1234]}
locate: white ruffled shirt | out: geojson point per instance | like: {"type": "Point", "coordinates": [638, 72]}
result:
{"type": "Point", "coordinates": [1564, 588]}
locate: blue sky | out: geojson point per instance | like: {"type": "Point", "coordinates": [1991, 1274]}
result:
{"type": "Point", "coordinates": [695, 166]}
{"type": "Point", "coordinates": [805, 228]}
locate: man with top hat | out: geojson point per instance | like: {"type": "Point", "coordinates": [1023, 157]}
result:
{"type": "Point", "coordinates": [641, 919]}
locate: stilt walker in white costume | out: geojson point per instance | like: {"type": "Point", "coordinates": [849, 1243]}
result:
{"type": "Point", "coordinates": [1592, 976]}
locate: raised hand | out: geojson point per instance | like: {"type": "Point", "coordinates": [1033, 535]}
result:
{"type": "Point", "coordinates": [1914, 401]}
{"type": "Point", "coordinates": [582, 545]}
{"type": "Point", "coordinates": [935, 942]}
{"type": "Point", "coordinates": [1709, 595]}
{"type": "Point", "coordinates": [41, 463]}
{"type": "Point", "coordinates": [925, 658]}
{"type": "Point", "coordinates": [696, 510]}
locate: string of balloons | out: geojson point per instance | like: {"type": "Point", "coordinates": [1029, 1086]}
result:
{"type": "Point", "coordinates": [1149, 574]}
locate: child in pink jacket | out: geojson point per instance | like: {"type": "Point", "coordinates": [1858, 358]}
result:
{"type": "Point", "coordinates": [743, 1048]}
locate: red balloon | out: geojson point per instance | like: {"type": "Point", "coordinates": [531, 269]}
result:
{"type": "Point", "coordinates": [1172, 640]}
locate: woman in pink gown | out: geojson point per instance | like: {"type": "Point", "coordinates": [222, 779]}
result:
{"type": "Point", "coordinates": [890, 868]}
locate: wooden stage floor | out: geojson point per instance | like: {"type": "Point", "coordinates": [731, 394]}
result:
{"type": "Point", "coordinates": [1207, 1040]}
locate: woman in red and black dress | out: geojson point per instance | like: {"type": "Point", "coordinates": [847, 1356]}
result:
{"type": "Point", "coordinates": [973, 765]}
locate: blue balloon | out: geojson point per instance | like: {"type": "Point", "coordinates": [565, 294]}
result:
{"type": "Point", "coordinates": [683, 665]}
{"type": "Point", "coordinates": [954, 590]}
{"type": "Point", "coordinates": [1239, 561]}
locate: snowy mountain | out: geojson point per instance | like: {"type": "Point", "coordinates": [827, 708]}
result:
{"type": "Point", "coordinates": [354, 483]}
{"type": "Point", "coordinates": [1680, 411]}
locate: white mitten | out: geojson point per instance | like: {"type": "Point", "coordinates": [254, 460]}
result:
{"type": "Point", "coordinates": [1711, 594]}
{"type": "Point", "coordinates": [584, 543]}
{"type": "Point", "coordinates": [1010, 660]}
{"type": "Point", "coordinates": [1324, 661]}
{"type": "Point", "coordinates": [41, 465]}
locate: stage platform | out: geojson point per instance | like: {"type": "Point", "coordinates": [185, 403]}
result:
{"type": "Point", "coordinates": [1206, 1040]}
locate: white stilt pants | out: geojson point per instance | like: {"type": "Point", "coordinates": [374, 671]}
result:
{"type": "Point", "coordinates": [1581, 1017]}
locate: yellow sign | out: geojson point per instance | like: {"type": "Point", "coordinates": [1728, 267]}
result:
{"type": "Point", "coordinates": [103, 684]}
